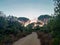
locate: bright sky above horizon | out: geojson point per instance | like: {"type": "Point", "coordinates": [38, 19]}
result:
{"type": "Point", "coordinates": [27, 8]}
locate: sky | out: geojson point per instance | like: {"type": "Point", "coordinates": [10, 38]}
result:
{"type": "Point", "coordinates": [27, 8]}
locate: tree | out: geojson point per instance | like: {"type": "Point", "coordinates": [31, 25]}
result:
{"type": "Point", "coordinates": [30, 27]}
{"type": "Point", "coordinates": [57, 7]}
{"type": "Point", "coordinates": [10, 27]}
{"type": "Point", "coordinates": [23, 19]}
{"type": "Point", "coordinates": [42, 17]}
{"type": "Point", "coordinates": [57, 18]}
{"type": "Point", "coordinates": [55, 24]}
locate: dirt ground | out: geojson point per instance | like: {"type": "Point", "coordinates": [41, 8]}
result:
{"type": "Point", "coordinates": [31, 39]}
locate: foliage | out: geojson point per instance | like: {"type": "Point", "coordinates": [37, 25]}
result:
{"type": "Point", "coordinates": [23, 19]}
{"type": "Point", "coordinates": [42, 17]}
{"type": "Point", "coordinates": [9, 28]}
{"type": "Point", "coordinates": [54, 24]}
{"type": "Point", "coordinates": [30, 27]}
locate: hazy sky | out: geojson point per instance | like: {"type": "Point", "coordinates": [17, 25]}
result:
{"type": "Point", "coordinates": [26, 8]}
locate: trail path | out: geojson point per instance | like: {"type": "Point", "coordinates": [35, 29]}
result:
{"type": "Point", "coordinates": [31, 39]}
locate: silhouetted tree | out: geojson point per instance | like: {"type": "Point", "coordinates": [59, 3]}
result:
{"type": "Point", "coordinates": [42, 17]}
{"type": "Point", "coordinates": [24, 19]}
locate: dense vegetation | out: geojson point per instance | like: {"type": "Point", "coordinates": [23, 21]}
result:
{"type": "Point", "coordinates": [10, 29]}
{"type": "Point", "coordinates": [54, 24]}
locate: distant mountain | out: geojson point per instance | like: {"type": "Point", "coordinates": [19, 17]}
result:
{"type": "Point", "coordinates": [42, 17]}
{"type": "Point", "coordinates": [24, 19]}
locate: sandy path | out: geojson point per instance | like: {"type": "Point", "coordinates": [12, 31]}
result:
{"type": "Point", "coordinates": [28, 40]}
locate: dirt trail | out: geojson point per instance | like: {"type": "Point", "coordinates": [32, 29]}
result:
{"type": "Point", "coordinates": [31, 39]}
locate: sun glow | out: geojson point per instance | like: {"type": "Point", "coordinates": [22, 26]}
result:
{"type": "Point", "coordinates": [35, 21]}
